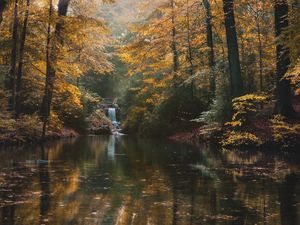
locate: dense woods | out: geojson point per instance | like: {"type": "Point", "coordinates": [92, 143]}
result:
{"type": "Point", "coordinates": [157, 112]}
{"type": "Point", "coordinates": [174, 66]}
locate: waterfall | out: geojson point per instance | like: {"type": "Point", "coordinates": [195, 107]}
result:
{"type": "Point", "coordinates": [112, 114]}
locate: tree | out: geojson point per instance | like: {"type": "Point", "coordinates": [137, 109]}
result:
{"type": "Point", "coordinates": [283, 86]}
{"type": "Point", "coordinates": [51, 57]}
{"type": "Point", "coordinates": [21, 60]}
{"type": "Point", "coordinates": [233, 51]}
{"type": "Point", "coordinates": [257, 16]}
{"type": "Point", "coordinates": [189, 46]}
{"type": "Point", "coordinates": [45, 108]}
{"type": "Point", "coordinates": [174, 45]}
{"type": "Point", "coordinates": [210, 44]}
{"type": "Point", "coordinates": [12, 72]}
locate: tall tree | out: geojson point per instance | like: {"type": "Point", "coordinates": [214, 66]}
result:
{"type": "Point", "coordinates": [260, 47]}
{"type": "Point", "coordinates": [45, 108]}
{"type": "Point", "coordinates": [21, 59]}
{"type": "Point", "coordinates": [189, 53]}
{"type": "Point", "coordinates": [210, 44]}
{"type": "Point", "coordinates": [51, 57]}
{"type": "Point", "coordinates": [283, 86]}
{"type": "Point", "coordinates": [12, 71]}
{"type": "Point", "coordinates": [174, 45]}
{"type": "Point", "coordinates": [233, 50]}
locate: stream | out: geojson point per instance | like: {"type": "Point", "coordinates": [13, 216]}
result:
{"type": "Point", "coordinates": [126, 180]}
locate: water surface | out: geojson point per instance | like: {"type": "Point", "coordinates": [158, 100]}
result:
{"type": "Point", "coordinates": [131, 181]}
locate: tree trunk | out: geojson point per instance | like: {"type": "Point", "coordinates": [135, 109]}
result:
{"type": "Point", "coordinates": [44, 109]}
{"type": "Point", "coordinates": [283, 87]}
{"type": "Point", "coordinates": [12, 72]}
{"type": "Point", "coordinates": [190, 54]}
{"type": "Point", "coordinates": [51, 57]}
{"type": "Point", "coordinates": [233, 50]}
{"type": "Point", "coordinates": [21, 60]}
{"type": "Point", "coordinates": [210, 45]}
{"type": "Point", "coordinates": [260, 48]}
{"type": "Point", "coordinates": [174, 45]}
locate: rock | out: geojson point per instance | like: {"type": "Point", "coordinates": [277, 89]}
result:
{"type": "Point", "coordinates": [102, 130]}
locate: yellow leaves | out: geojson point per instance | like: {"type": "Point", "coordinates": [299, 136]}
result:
{"type": "Point", "coordinates": [154, 100]}
{"type": "Point", "coordinates": [67, 95]}
{"type": "Point", "coordinates": [150, 81]}
{"type": "Point", "coordinates": [161, 84]}
{"type": "Point", "coordinates": [243, 107]}
{"type": "Point", "coordinates": [250, 97]}
{"type": "Point", "coordinates": [126, 57]}
{"type": "Point", "coordinates": [234, 139]}
{"type": "Point", "coordinates": [285, 133]}
{"type": "Point", "coordinates": [246, 105]}
{"type": "Point", "coordinates": [234, 123]}
{"type": "Point", "coordinates": [150, 101]}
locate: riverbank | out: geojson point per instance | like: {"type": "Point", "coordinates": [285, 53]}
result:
{"type": "Point", "coordinates": [253, 125]}
{"type": "Point", "coordinates": [272, 133]}
{"type": "Point", "coordinates": [16, 138]}
{"type": "Point", "coordinates": [28, 128]}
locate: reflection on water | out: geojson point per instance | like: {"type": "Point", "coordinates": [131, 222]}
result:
{"type": "Point", "coordinates": [124, 181]}
{"type": "Point", "coordinates": [111, 147]}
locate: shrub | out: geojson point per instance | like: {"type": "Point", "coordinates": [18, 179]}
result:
{"type": "Point", "coordinates": [99, 124]}
{"type": "Point", "coordinates": [134, 117]}
{"type": "Point", "coordinates": [284, 133]}
{"type": "Point", "coordinates": [89, 101]}
{"type": "Point", "coordinates": [236, 139]}
{"type": "Point", "coordinates": [219, 109]}
{"type": "Point", "coordinates": [7, 127]}
{"type": "Point", "coordinates": [55, 124]}
{"type": "Point", "coordinates": [29, 128]}
{"type": "Point", "coordinates": [244, 108]}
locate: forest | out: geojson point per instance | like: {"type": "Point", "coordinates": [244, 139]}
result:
{"type": "Point", "coordinates": [149, 112]}
{"type": "Point", "coordinates": [173, 67]}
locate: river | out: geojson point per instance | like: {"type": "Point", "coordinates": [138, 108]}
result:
{"type": "Point", "coordinates": [131, 181]}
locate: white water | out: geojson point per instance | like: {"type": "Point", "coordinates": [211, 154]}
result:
{"type": "Point", "coordinates": [112, 114]}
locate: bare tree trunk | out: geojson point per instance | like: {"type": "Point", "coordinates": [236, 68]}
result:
{"type": "Point", "coordinates": [12, 72]}
{"type": "Point", "coordinates": [233, 50]}
{"type": "Point", "coordinates": [210, 45]}
{"type": "Point", "coordinates": [21, 60]}
{"type": "Point", "coordinates": [283, 88]}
